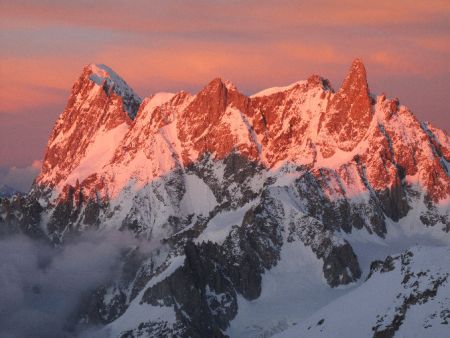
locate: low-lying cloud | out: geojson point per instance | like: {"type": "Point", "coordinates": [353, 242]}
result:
{"type": "Point", "coordinates": [41, 286]}
{"type": "Point", "coordinates": [20, 178]}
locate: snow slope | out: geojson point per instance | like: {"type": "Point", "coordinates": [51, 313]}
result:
{"type": "Point", "coordinates": [412, 291]}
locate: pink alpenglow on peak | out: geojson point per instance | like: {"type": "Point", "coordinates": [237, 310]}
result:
{"type": "Point", "coordinates": [95, 141]}
{"type": "Point", "coordinates": [349, 113]}
{"type": "Point", "coordinates": [97, 115]}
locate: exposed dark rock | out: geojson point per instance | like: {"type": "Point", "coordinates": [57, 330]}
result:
{"type": "Point", "coordinates": [394, 202]}
{"type": "Point", "coordinates": [336, 263]}
{"type": "Point", "coordinates": [233, 189]}
{"type": "Point", "coordinates": [21, 214]}
{"type": "Point", "coordinates": [381, 266]}
{"type": "Point", "coordinates": [419, 289]}
{"type": "Point", "coordinates": [338, 214]}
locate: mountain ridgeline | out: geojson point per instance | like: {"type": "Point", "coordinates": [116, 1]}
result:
{"type": "Point", "coordinates": [234, 195]}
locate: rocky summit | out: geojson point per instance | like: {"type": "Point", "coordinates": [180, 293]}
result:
{"type": "Point", "coordinates": [299, 211]}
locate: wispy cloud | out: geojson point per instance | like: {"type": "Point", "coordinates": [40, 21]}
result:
{"type": "Point", "coordinates": [20, 178]}
{"type": "Point", "coordinates": [42, 286]}
{"type": "Point", "coordinates": [190, 16]}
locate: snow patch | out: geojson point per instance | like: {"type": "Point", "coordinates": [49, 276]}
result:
{"type": "Point", "coordinates": [275, 90]}
{"type": "Point", "coordinates": [98, 153]}
{"type": "Point", "coordinates": [220, 225]}
{"type": "Point", "coordinates": [199, 198]}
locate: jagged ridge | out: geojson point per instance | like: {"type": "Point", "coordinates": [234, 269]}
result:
{"type": "Point", "coordinates": [229, 185]}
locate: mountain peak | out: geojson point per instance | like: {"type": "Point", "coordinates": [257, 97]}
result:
{"type": "Point", "coordinates": [318, 81]}
{"type": "Point", "coordinates": [358, 63]}
{"type": "Point", "coordinates": [213, 99]}
{"type": "Point", "coordinates": [97, 116]}
{"type": "Point", "coordinates": [218, 83]}
{"type": "Point", "coordinates": [103, 75]}
{"type": "Point", "coordinates": [101, 71]}
{"type": "Point", "coordinates": [350, 111]}
{"type": "Point", "coordinates": [356, 78]}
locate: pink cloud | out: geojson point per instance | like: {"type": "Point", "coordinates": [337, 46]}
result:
{"type": "Point", "coordinates": [161, 16]}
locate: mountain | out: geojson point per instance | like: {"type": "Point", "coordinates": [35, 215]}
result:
{"type": "Point", "coordinates": [258, 214]}
{"type": "Point", "coordinates": [410, 288]}
{"type": "Point", "coordinates": [98, 114]}
{"type": "Point", "coordinates": [7, 191]}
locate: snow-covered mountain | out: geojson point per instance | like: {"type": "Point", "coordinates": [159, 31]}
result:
{"type": "Point", "coordinates": [269, 214]}
{"type": "Point", "coordinates": [406, 295]}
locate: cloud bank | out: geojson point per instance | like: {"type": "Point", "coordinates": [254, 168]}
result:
{"type": "Point", "coordinates": [20, 178]}
{"type": "Point", "coordinates": [41, 286]}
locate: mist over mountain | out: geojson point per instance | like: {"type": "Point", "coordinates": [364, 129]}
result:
{"type": "Point", "coordinates": [16, 179]}
{"type": "Point", "coordinates": [297, 211]}
{"type": "Point", "coordinates": [43, 286]}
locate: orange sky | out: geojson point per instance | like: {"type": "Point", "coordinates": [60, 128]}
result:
{"type": "Point", "coordinates": [162, 46]}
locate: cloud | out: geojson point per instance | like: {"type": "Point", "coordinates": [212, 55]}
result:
{"type": "Point", "coordinates": [32, 82]}
{"type": "Point", "coordinates": [201, 16]}
{"type": "Point", "coordinates": [20, 178]}
{"type": "Point", "coordinates": [436, 43]}
{"type": "Point", "coordinates": [41, 286]}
